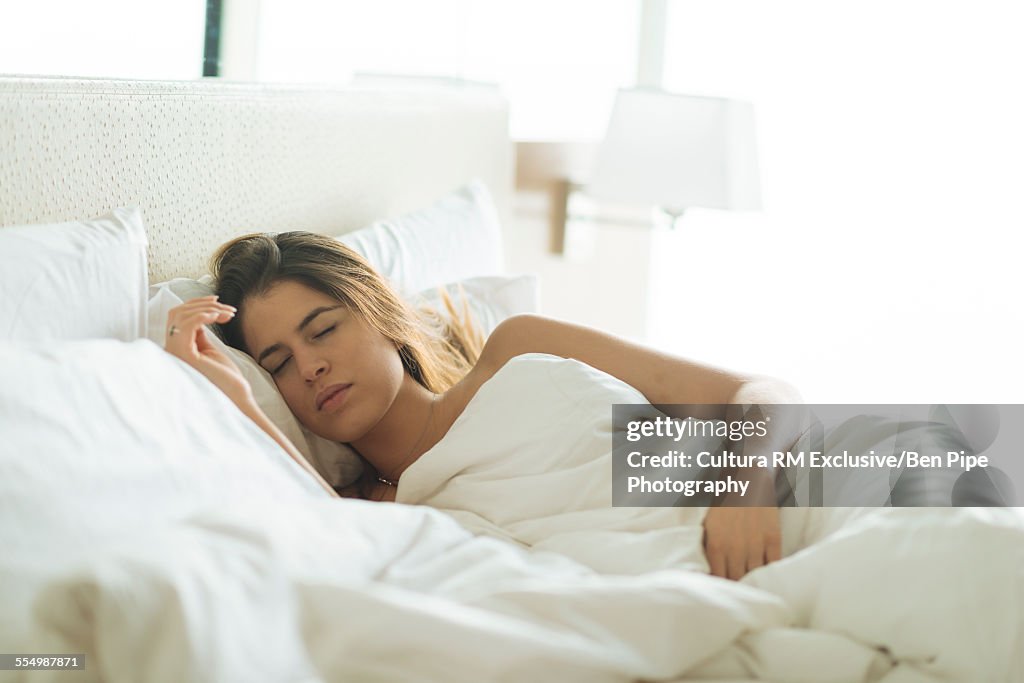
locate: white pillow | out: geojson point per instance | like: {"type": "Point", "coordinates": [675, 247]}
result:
{"type": "Point", "coordinates": [491, 300]}
{"type": "Point", "coordinates": [457, 237]}
{"type": "Point", "coordinates": [337, 463]}
{"type": "Point", "coordinates": [104, 439]}
{"type": "Point", "coordinates": [75, 280]}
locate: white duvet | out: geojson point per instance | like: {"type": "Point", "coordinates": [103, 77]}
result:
{"type": "Point", "coordinates": [160, 554]}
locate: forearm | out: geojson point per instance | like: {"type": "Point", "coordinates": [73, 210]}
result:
{"type": "Point", "coordinates": [663, 378]}
{"type": "Point", "coordinates": [254, 413]}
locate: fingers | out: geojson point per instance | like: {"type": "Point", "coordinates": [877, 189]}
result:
{"type": "Point", "coordinates": [177, 315]}
{"type": "Point", "coordinates": [202, 343]}
{"type": "Point", "coordinates": [741, 559]}
{"type": "Point", "coordinates": [202, 303]}
{"type": "Point", "coordinates": [733, 565]}
{"type": "Point", "coordinates": [762, 539]}
{"type": "Point", "coordinates": [726, 560]}
{"type": "Point", "coordinates": [740, 540]}
{"type": "Point", "coordinates": [716, 558]}
{"type": "Point", "coordinates": [773, 546]}
{"type": "Point", "coordinates": [717, 563]}
{"type": "Point", "coordinates": [736, 565]}
{"type": "Point", "coordinates": [189, 325]}
{"type": "Point", "coordinates": [185, 336]}
{"type": "Point", "coordinates": [755, 557]}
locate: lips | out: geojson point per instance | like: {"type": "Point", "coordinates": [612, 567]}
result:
{"type": "Point", "coordinates": [329, 393]}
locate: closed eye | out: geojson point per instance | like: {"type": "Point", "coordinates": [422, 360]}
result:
{"type": "Point", "coordinates": [285, 361]}
{"type": "Point", "coordinates": [279, 367]}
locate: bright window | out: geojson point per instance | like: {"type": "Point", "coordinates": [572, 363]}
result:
{"type": "Point", "coordinates": [103, 38]}
{"type": "Point", "coordinates": [886, 263]}
{"type": "Point", "coordinates": [558, 61]}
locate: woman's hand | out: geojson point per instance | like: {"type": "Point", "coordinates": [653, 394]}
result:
{"type": "Point", "coordinates": [740, 539]}
{"type": "Point", "coordinates": [186, 339]}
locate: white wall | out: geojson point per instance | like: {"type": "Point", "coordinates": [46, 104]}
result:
{"type": "Point", "coordinates": [886, 265]}
{"type": "Point", "coordinates": [601, 280]}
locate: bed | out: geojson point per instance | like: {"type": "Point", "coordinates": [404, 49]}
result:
{"type": "Point", "coordinates": [149, 526]}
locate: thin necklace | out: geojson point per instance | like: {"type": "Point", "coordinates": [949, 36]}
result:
{"type": "Point", "coordinates": [430, 416]}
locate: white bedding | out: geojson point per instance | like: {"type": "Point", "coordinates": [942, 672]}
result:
{"type": "Point", "coordinates": [546, 482]}
{"type": "Point", "coordinates": [204, 554]}
{"type": "Point", "coordinates": [348, 590]}
{"type": "Point", "coordinates": [529, 460]}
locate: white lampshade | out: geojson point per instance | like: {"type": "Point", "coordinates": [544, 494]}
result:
{"type": "Point", "coordinates": [678, 151]}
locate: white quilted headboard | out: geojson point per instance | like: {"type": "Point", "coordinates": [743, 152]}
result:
{"type": "Point", "coordinates": [210, 160]}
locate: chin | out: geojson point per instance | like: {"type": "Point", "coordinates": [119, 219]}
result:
{"type": "Point", "coordinates": [339, 428]}
{"type": "Point", "coordinates": [324, 430]}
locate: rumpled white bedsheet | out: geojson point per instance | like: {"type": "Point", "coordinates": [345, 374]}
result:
{"type": "Point", "coordinates": [296, 589]}
{"type": "Point", "coordinates": [351, 590]}
{"type": "Point", "coordinates": [938, 590]}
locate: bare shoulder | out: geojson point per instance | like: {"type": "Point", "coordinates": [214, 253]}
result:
{"type": "Point", "coordinates": [514, 336]}
{"type": "Point", "coordinates": [501, 346]}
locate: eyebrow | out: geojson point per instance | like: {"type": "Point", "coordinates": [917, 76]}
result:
{"type": "Point", "coordinates": [302, 325]}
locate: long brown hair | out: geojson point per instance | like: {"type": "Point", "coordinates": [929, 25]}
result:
{"type": "Point", "coordinates": [436, 350]}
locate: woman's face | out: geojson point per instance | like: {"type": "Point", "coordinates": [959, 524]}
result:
{"type": "Point", "coordinates": [313, 346]}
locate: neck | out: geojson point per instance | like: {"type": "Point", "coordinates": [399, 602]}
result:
{"type": "Point", "coordinates": [405, 432]}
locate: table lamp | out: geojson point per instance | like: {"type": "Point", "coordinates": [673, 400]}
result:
{"type": "Point", "coordinates": [678, 151]}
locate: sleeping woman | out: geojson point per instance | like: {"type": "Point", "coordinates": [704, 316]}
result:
{"type": "Point", "coordinates": [512, 436]}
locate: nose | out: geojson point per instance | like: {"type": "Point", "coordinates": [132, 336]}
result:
{"type": "Point", "coordinates": [313, 368]}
